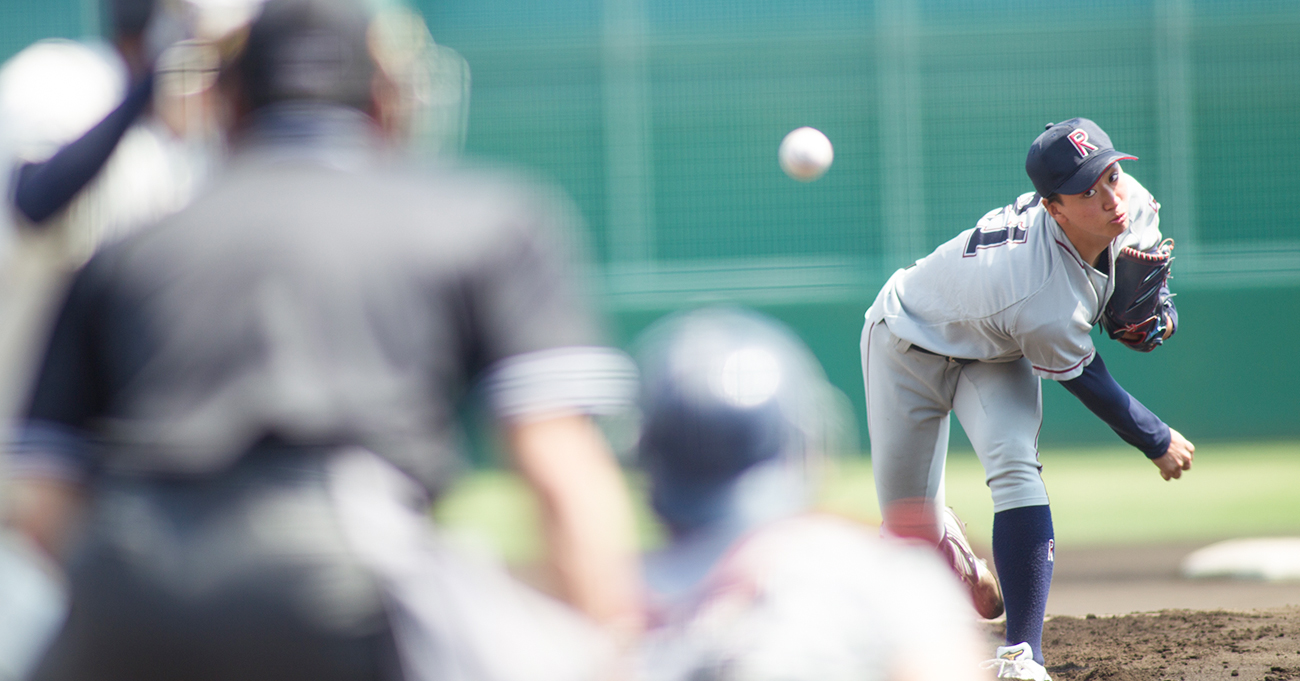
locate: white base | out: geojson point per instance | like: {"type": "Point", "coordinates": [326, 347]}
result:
{"type": "Point", "coordinates": [1273, 559]}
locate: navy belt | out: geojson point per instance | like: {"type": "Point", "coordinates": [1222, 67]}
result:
{"type": "Point", "coordinates": [955, 360]}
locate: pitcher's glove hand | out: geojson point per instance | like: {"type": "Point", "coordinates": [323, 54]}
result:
{"type": "Point", "coordinates": [1136, 313]}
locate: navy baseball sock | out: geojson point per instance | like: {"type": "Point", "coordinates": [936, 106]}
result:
{"type": "Point", "coordinates": [1023, 545]}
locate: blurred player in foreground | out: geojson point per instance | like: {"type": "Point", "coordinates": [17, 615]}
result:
{"type": "Point", "coordinates": [972, 328]}
{"type": "Point", "coordinates": [244, 411]}
{"type": "Point", "coordinates": [753, 585]}
{"type": "Point", "coordinates": [82, 162]}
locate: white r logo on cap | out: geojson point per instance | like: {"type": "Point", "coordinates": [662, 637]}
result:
{"type": "Point", "coordinates": [1079, 138]}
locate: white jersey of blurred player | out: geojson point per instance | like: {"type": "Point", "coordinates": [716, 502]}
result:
{"type": "Point", "coordinates": [51, 93]}
{"type": "Point", "coordinates": [1011, 291]}
{"type": "Point", "coordinates": [813, 597]}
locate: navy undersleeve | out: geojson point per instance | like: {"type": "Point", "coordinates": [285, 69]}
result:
{"type": "Point", "coordinates": [43, 189]}
{"type": "Point", "coordinates": [1132, 421]}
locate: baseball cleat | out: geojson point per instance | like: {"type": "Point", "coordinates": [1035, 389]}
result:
{"type": "Point", "coordinates": [1017, 662]}
{"type": "Point", "coordinates": [974, 572]}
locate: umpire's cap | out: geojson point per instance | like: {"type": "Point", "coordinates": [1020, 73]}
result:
{"type": "Point", "coordinates": [308, 50]}
{"type": "Point", "coordinates": [723, 390]}
{"type": "Point", "coordinates": [1069, 157]}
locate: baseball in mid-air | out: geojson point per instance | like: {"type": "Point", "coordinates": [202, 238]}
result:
{"type": "Point", "coordinates": [805, 154]}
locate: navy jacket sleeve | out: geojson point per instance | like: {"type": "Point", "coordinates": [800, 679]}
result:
{"type": "Point", "coordinates": [43, 189]}
{"type": "Point", "coordinates": [1132, 421]}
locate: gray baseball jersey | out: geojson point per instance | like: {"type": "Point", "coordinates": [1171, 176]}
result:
{"type": "Point", "coordinates": [1012, 286]}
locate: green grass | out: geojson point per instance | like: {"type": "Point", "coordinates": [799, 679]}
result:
{"type": "Point", "coordinates": [1109, 495]}
{"type": "Point", "coordinates": [1114, 495]}
{"type": "Point", "coordinates": [493, 507]}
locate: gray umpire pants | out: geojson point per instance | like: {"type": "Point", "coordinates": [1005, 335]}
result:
{"type": "Point", "coordinates": [246, 575]}
{"type": "Point", "coordinates": [303, 565]}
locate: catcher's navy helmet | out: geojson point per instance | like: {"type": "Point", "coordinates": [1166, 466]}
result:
{"type": "Point", "coordinates": [725, 391]}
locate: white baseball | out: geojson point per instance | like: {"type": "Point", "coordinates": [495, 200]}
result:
{"type": "Point", "coordinates": [805, 154]}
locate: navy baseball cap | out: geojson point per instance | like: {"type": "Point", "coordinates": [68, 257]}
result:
{"type": "Point", "coordinates": [1069, 157]}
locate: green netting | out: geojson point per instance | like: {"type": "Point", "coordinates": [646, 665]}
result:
{"type": "Point", "coordinates": [667, 126]}
{"type": "Point", "coordinates": [663, 118]}
{"type": "Point", "coordinates": [1247, 109]}
{"type": "Point", "coordinates": [23, 21]}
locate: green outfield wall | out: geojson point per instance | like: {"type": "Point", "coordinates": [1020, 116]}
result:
{"type": "Point", "coordinates": [662, 119]}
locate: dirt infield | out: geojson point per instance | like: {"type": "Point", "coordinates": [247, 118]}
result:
{"type": "Point", "coordinates": [1125, 614]}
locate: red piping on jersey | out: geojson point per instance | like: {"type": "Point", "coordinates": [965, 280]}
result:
{"type": "Point", "coordinates": [1072, 255]}
{"type": "Point", "coordinates": [1066, 371]}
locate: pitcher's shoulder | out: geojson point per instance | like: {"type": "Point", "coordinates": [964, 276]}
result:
{"type": "Point", "coordinates": [1139, 197]}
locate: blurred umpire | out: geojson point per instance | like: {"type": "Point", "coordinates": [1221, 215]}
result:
{"type": "Point", "coordinates": [243, 411]}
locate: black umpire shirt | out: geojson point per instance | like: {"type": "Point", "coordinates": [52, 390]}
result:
{"type": "Point", "coordinates": [317, 296]}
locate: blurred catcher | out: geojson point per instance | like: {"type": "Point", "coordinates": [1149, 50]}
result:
{"type": "Point", "coordinates": [738, 420]}
{"type": "Point", "coordinates": [244, 410]}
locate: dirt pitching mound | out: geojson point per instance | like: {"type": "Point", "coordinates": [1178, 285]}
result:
{"type": "Point", "coordinates": [1174, 645]}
